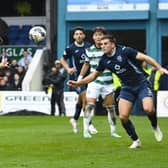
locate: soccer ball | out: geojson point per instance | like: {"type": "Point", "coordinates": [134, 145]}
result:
{"type": "Point", "coordinates": [37, 34]}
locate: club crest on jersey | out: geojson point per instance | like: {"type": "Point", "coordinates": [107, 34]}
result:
{"type": "Point", "coordinates": [83, 56]}
{"type": "Point", "coordinates": [119, 58]}
{"type": "Point", "coordinates": [117, 67]}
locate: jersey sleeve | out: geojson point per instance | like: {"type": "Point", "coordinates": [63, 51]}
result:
{"type": "Point", "coordinates": [130, 53]}
{"type": "Point", "coordinates": [87, 60]}
{"type": "Point", "coordinates": [100, 67]}
{"type": "Point", "coordinates": [67, 53]}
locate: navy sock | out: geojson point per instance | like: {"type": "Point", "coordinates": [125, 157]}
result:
{"type": "Point", "coordinates": [129, 127]}
{"type": "Point", "coordinates": [153, 119]}
{"type": "Point", "coordinates": [77, 112]}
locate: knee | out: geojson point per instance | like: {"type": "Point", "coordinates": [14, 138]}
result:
{"type": "Point", "coordinates": [89, 109]}
{"type": "Point", "coordinates": [123, 118]}
{"type": "Point", "coordinates": [148, 109]}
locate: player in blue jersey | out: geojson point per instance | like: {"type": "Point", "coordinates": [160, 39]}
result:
{"type": "Point", "coordinates": [75, 53]}
{"type": "Point", "coordinates": [125, 62]}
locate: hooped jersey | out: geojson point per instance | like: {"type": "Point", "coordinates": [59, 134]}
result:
{"type": "Point", "coordinates": [125, 65]}
{"type": "Point", "coordinates": [93, 57]}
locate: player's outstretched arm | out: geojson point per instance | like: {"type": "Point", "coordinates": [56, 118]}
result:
{"type": "Point", "coordinates": [151, 61]}
{"type": "Point", "coordinates": [91, 77]}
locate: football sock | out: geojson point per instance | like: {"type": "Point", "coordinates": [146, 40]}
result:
{"type": "Point", "coordinates": [129, 127]}
{"type": "Point", "coordinates": [86, 123]}
{"type": "Point", "coordinates": [153, 119]}
{"type": "Point", "coordinates": [111, 114]}
{"type": "Point", "coordinates": [78, 109]}
{"type": "Point", "coordinates": [88, 114]}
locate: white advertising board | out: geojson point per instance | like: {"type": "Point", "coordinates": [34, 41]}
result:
{"type": "Point", "coordinates": [12, 101]}
{"type": "Point", "coordinates": [162, 104]}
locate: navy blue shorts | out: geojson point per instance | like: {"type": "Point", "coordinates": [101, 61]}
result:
{"type": "Point", "coordinates": [131, 93]}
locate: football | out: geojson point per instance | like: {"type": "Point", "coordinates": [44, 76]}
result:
{"type": "Point", "coordinates": [37, 34]}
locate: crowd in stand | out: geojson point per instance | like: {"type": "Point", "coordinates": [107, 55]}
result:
{"type": "Point", "coordinates": [13, 71]}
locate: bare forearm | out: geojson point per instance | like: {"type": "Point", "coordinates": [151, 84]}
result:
{"type": "Point", "coordinates": [66, 66]}
{"type": "Point", "coordinates": [152, 62]}
{"type": "Point", "coordinates": [64, 63]}
{"type": "Point", "coordinates": [88, 79]}
{"type": "Point", "coordinates": [84, 69]}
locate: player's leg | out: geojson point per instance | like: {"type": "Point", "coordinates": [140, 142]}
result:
{"type": "Point", "coordinates": [116, 99]}
{"type": "Point", "coordinates": [125, 108]}
{"type": "Point", "coordinates": [81, 103]}
{"type": "Point", "coordinates": [52, 102]}
{"type": "Point", "coordinates": [109, 105]}
{"type": "Point", "coordinates": [148, 107]}
{"type": "Point", "coordinates": [146, 96]}
{"type": "Point", "coordinates": [78, 108]}
{"type": "Point", "coordinates": [61, 104]}
{"type": "Point", "coordinates": [91, 128]}
{"type": "Point", "coordinates": [88, 114]}
{"type": "Point", "coordinates": [92, 93]}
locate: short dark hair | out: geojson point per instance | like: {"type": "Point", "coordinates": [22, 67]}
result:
{"type": "Point", "coordinates": [79, 28]}
{"type": "Point", "coordinates": [99, 29]}
{"type": "Point", "coordinates": [110, 37]}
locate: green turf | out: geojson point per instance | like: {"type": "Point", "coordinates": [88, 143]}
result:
{"type": "Point", "coordinates": [48, 142]}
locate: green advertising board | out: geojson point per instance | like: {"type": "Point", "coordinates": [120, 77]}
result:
{"type": "Point", "coordinates": [15, 52]}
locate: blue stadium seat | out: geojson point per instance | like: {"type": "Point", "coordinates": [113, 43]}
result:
{"type": "Point", "coordinates": [14, 28]}
{"type": "Point", "coordinates": [26, 28]}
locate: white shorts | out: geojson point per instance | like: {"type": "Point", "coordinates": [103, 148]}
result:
{"type": "Point", "coordinates": [95, 89]}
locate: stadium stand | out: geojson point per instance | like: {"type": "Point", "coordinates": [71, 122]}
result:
{"type": "Point", "coordinates": [19, 35]}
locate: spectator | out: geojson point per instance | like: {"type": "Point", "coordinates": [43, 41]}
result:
{"type": "Point", "coordinates": [13, 66]}
{"type": "Point", "coordinates": [26, 56]}
{"type": "Point", "coordinates": [16, 83]}
{"type": "Point", "coordinates": [9, 74]}
{"type": "Point", "coordinates": [3, 85]}
{"type": "Point", "coordinates": [55, 80]}
{"type": "Point", "coordinates": [4, 60]}
{"type": "Point", "coordinates": [21, 71]}
{"type": "Point", "coordinates": [26, 65]}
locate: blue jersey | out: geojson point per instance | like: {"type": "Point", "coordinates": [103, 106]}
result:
{"type": "Point", "coordinates": [76, 56]}
{"type": "Point", "coordinates": [125, 65]}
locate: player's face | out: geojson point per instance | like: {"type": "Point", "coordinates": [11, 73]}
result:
{"type": "Point", "coordinates": [107, 46]}
{"type": "Point", "coordinates": [79, 36]}
{"type": "Point", "coordinates": [97, 36]}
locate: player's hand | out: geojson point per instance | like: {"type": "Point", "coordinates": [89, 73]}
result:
{"type": "Point", "coordinates": [72, 83]}
{"type": "Point", "coordinates": [71, 70]}
{"type": "Point", "coordinates": [163, 71]}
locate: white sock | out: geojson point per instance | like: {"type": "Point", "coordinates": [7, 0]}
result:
{"type": "Point", "coordinates": [112, 128]}
{"type": "Point", "coordinates": [86, 124]}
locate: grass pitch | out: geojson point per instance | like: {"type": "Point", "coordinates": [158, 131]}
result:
{"type": "Point", "coordinates": [48, 142]}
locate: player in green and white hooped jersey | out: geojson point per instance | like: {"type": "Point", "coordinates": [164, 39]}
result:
{"type": "Point", "coordinates": [102, 85]}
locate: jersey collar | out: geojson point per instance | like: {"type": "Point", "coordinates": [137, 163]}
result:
{"type": "Point", "coordinates": [79, 45]}
{"type": "Point", "coordinates": [113, 53]}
